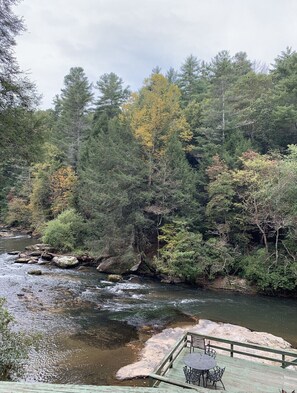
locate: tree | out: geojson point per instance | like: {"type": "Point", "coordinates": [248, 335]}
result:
{"type": "Point", "coordinates": [155, 115]}
{"type": "Point", "coordinates": [18, 124]}
{"type": "Point", "coordinates": [72, 126]}
{"type": "Point", "coordinates": [192, 80]}
{"type": "Point", "coordinates": [62, 185]}
{"type": "Point", "coordinates": [65, 232]}
{"type": "Point", "coordinates": [112, 192]}
{"type": "Point", "coordinates": [172, 76]}
{"type": "Point", "coordinates": [16, 90]}
{"type": "Point", "coordinates": [220, 209]}
{"type": "Point", "coordinates": [112, 96]}
{"type": "Point", "coordinates": [173, 189]}
{"type": "Point", "coordinates": [186, 255]}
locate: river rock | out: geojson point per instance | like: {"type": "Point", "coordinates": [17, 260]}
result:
{"type": "Point", "coordinates": [47, 256]}
{"type": "Point", "coordinates": [6, 234]}
{"type": "Point", "coordinates": [36, 272]}
{"type": "Point", "coordinates": [114, 265]}
{"type": "Point", "coordinates": [39, 247]}
{"type": "Point", "coordinates": [118, 265]}
{"type": "Point", "coordinates": [32, 261]}
{"type": "Point", "coordinates": [160, 344]}
{"type": "Point", "coordinates": [22, 260]}
{"type": "Point", "coordinates": [13, 252]}
{"type": "Point", "coordinates": [114, 277]}
{"type": "Point", "coordinates": [232, 283]}
{"type": "Point", "coordinates": [86, 260]}
{"type": "Point", "coordinates": [36, 253]}
{"type": "Point", "coordinates": [65, 261]}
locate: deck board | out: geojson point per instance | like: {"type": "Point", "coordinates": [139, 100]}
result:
{"type": "Point", "coordinates": [243, 376]}
{"type": "Point", "coordinates": [18, 387]}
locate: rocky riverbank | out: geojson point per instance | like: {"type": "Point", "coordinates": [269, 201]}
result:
{"type": "Point", "coordinates": [160, 344]}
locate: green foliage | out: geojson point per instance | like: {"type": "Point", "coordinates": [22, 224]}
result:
{"type": "Point", "coordinates": [112, 95]}
{"type": "Point", "coordinates": [200, 156]}
{"type": "Point", "coordinates": [260, 268]}
{"type": "Point", "coordinates": [19, 213]}
{"type": "Point", "coordinates": [14, 346]}
{"type": "Point", "coordinates": [186, 255]}
{"type": "Point", "coordinates": [72, 125]}
{"type": "Point", "coordinates": [192, 80]}
{"type": "Point", "coordinates": [112, 191]}
{"type": "Point", "coordinates": [65, 233]}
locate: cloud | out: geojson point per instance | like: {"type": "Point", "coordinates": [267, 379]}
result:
{"type": "Point", "coordinates": [130, 37]}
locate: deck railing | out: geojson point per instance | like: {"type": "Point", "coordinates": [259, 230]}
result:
{"type": "Point", "coordinates": [233, 347]}
{"type": "Point", "coordinates": [237, 347]}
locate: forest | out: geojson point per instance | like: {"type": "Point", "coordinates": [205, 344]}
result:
{"type": "Point", "coordinates": [195, 173]}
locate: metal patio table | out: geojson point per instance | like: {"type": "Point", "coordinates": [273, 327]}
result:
{"type": "Point", "coordinates": [201, 362]}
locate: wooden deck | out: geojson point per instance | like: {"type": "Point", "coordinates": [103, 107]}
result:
{"type": "Point", "coordinates": [241, 376]}
{"type": "Point", "coordinates": [245, 371]}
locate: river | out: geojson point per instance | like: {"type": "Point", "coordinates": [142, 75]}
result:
{"type": "Point", "coordinates": [90, 327]}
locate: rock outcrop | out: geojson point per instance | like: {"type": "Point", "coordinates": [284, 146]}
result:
{"type": "Point", "coordinates": [65, 261]}
{"type": "Point", "coordinates": [160, 344]}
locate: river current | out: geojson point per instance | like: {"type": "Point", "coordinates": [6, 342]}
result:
{"type": "Point", "coordinates": [90, 327]}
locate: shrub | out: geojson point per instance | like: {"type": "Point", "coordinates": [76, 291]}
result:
{"type": "Point", "coordinates": [65, 232]}
{"type": "Point", "coordinates": [269, 275]}
{"type": "Point", "coordinates": [186, 255]}
{"type": "Point", "coordinates": [19, 213]}
{"type": "Point", "coordinates": [14, 347]}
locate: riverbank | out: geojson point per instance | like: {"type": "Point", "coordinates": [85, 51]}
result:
{"type": "Point", "coordinates": [112, 266]}
{"type": "Point", "coordinates": [92, 327]}
{"type": "Point", "coordinates": [160, 344]}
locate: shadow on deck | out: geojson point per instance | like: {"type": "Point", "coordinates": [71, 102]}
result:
{"type": "Point", "coordinates": [244, 371]}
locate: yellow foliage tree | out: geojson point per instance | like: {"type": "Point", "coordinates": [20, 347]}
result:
{"type": "Point", "coordinates": [62, 185]}
{"type": "Point", "coordinates": [155, 114]}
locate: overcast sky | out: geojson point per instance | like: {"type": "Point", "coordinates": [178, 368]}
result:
{"type": "Point", "coordinates": [130, 37]}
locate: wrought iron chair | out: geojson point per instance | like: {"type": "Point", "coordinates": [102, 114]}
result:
{"type": "Point", "coordinates": [215, 375]}
{"type": "Point", "coordinates": [187, 372]}
{"type": "Point", "coordinates": [210, 351]}
{"type": "Point", "coordinates": [193, 376]}
{"type": "Point", "coordinates": [196, 342]}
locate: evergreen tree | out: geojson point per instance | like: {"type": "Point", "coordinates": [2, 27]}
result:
{"type": "Point", "coordinates": [113, 192]}
{"type": "Point", "coordinates": [172, 76]}
{"type": "Point", "coordinates": [191, 80]}
{"type": "Point", "coordinates": [112, 96]}
{"type": "Point", "coordinates": [72, 126]}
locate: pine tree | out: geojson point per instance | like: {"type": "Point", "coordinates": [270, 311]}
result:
{"type": "Point", "coordinates": [191, 80]}
{"type": "Point", "coordinates": [112, 96]}
{"type": "Point", "coordinates": [113, 192]}
{"type": "Point", "coordinates": [72, 126]}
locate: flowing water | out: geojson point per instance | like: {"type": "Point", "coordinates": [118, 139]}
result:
{"type": "Point", "coordinates": [91, 327]}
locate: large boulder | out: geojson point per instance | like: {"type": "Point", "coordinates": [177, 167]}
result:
{"type": "Point", "coordinates": [65, 261]}
{"type": "Point", "coordinates": [232, 283]}
{"type": "Point", "coordinates": [118, 265]}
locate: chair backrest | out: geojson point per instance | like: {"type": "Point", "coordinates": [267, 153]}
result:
{"type": "Point", "coordinates": [216, 373]}
{"type": "Point", "coordinates": [197, 342]}
{"type": "Point", "coordinates": [195, 376]}
{"type": "Point", "coordinates": [210, 351]}
{"type": "Point", "coordinates": [187, 373]}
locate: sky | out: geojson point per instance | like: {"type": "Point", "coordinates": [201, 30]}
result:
{"type": "Point", "coordinates": [131, 37]}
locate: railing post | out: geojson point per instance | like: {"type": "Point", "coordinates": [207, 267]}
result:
{"type": "Point", "coordinates": [231, 352]}
{"type": "Point", "coordinates": [283, 360]}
